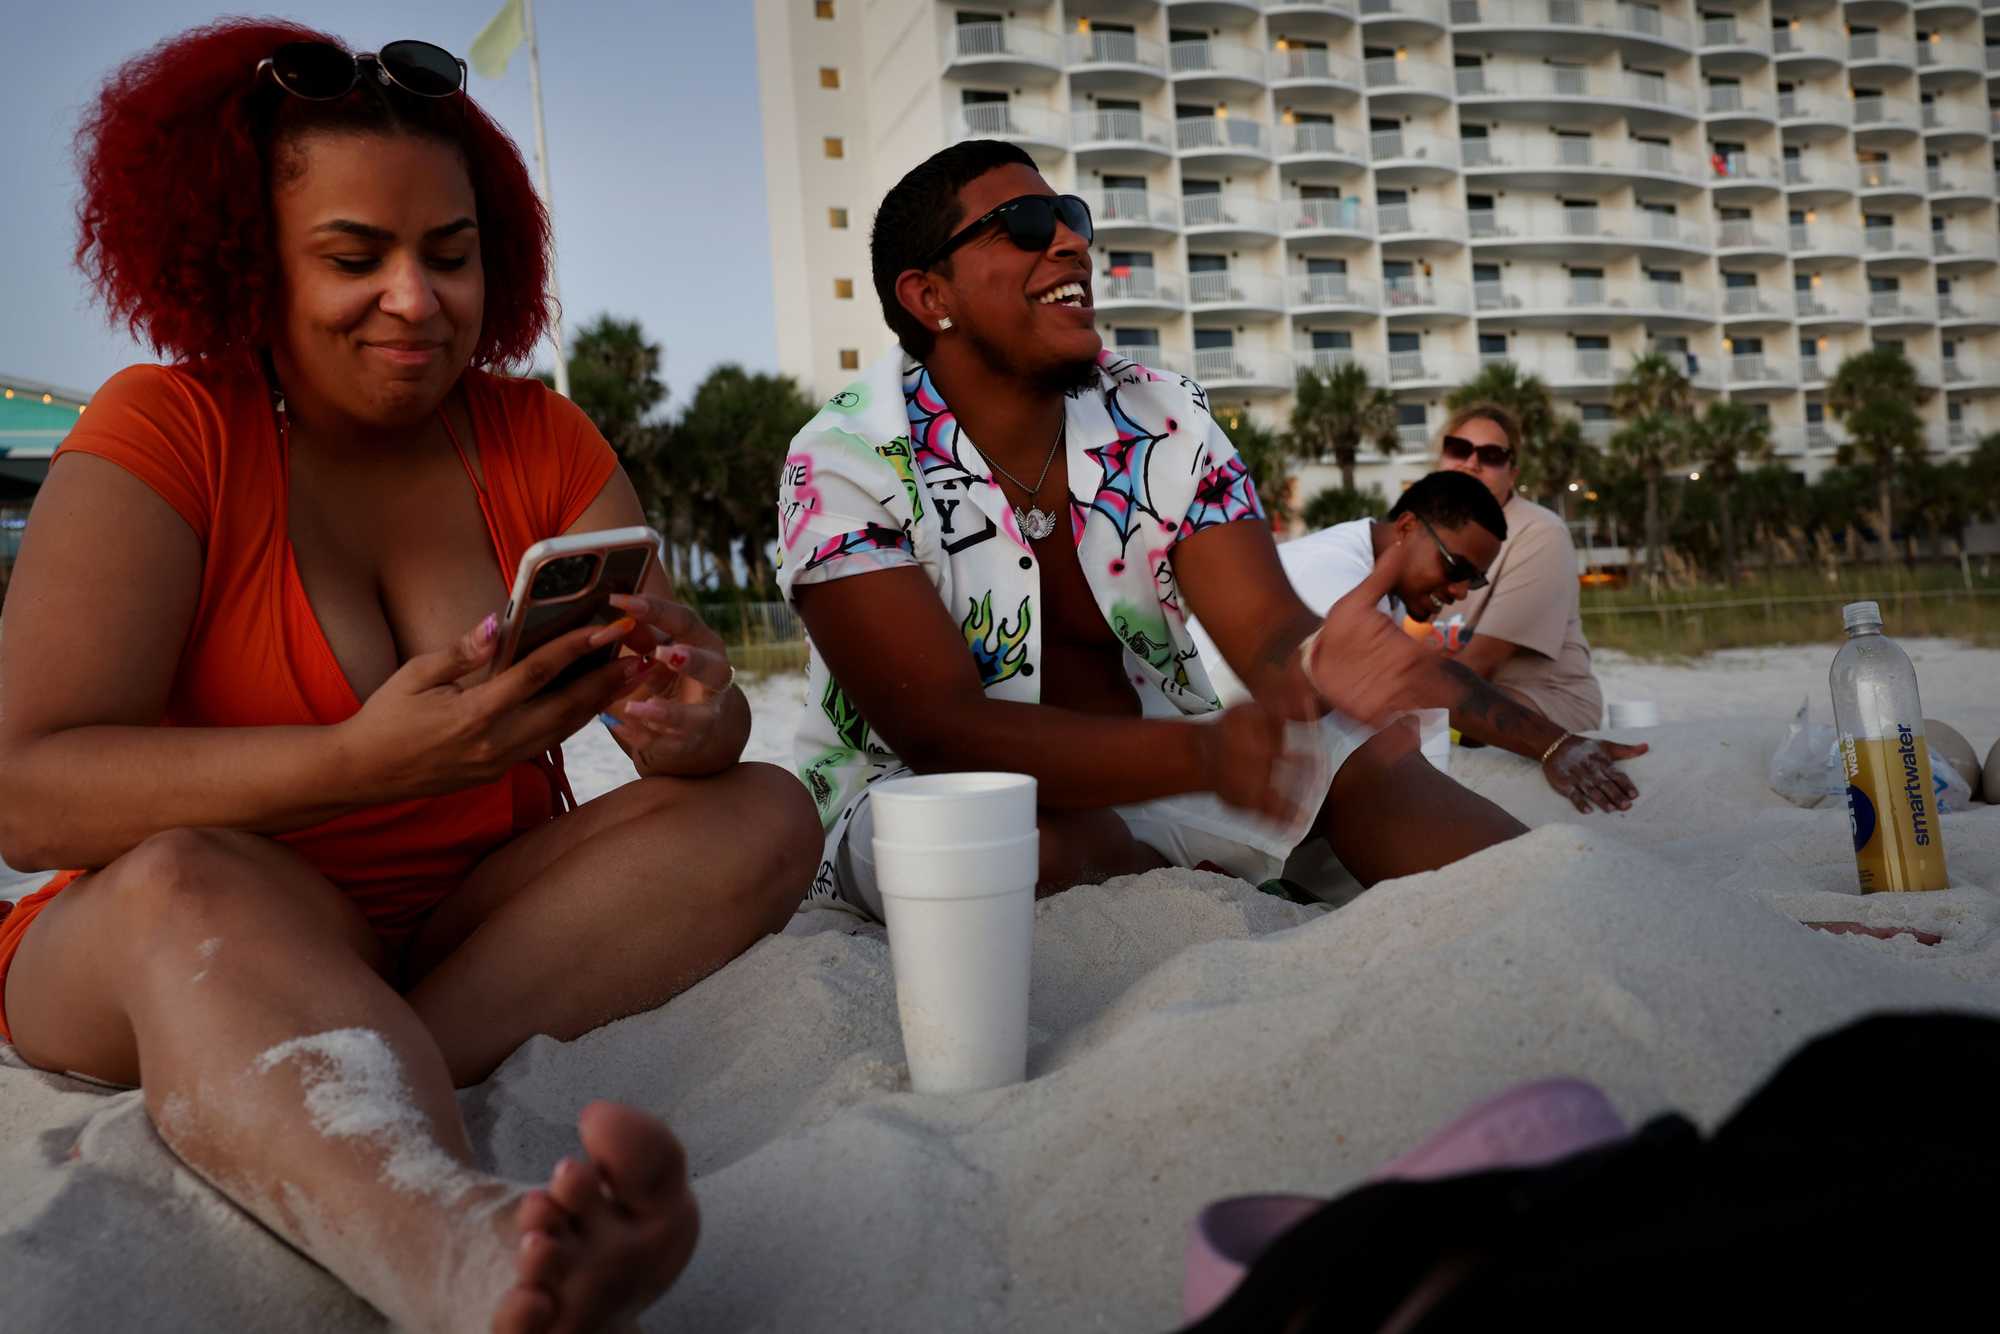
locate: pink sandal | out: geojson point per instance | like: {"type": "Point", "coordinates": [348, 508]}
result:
{"type": "Point", "coordinates": [1526, 1126]}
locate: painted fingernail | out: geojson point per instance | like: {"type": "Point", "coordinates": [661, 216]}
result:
{"type": "Point", "coordinates": [613, 632]}
{"type": "Point", "coordinates": [610, 721]}
{"type": "Point", "coordinates": [489, 628]}
{"type": "Point", "coordinates": [676, 657]}
{"type": "Point", "coordinates": [625, 602]}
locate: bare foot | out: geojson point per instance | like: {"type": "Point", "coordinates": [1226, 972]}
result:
{"type": "Point", "coordinates": [610, 1234]}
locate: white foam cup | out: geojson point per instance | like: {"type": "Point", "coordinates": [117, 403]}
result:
{"type": "Point", "coordinates": [1434, 737]}
{"type": "Point", "coordinates": [955, 860]}
{"type": "Point", "coordinates": [1633, 713]}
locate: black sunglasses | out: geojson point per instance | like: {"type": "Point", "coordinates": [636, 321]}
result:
{"type": "Point", "coordinates": [322, 72]}
{"type": "Point", "coordinates": [1030, 221]}
{"type": "Point", "coordinates": [1457, 569]}
{"type": "Point", "coordinates": [1458, 448]}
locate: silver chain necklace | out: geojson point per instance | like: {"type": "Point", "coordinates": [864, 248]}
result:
{"type": "Point", "coordinates": [1036, 523]}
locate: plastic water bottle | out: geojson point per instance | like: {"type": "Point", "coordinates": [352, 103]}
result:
{"type": "Point", "coordinates": [1891, 800]}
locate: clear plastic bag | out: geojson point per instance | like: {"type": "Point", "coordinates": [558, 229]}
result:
{"type": "Point", "coordinates": [1806, 768]}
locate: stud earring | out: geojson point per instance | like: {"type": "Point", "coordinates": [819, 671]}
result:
{"type": "Point", "coordinates": [944, 322]}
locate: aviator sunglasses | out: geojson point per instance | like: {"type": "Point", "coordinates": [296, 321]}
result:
{"type": "Point", "coordinates": [1459, 449]}
{"type": "Point", "coordinates": [1457, 569]}
{"type": "Point", "coordinates": [1030, 221]}
{"type": "Point", "coordinates": [322, 72]}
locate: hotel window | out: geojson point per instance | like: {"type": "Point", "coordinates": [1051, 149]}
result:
{"type": "Point", "coordinates": [829, 77]}
{"type": "Point", "coordinates": [836, 218]}
{"type": "Point", "coordinates": [850, 360]}
{"type": "Point", "coordinates": [843, 289]}
{"type": "Point", "coordinates": [834, 146]}
{"type": "Point", "coordinates": [822, 9]}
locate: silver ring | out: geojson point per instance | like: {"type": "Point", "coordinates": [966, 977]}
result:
{"type": "Point", "coordinates": [730, 684]}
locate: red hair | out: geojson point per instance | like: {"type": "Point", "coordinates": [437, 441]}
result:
{"type": "Point", "coordinates": [178, 156]}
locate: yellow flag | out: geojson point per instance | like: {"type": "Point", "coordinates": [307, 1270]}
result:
{"type": "Point", "coordinates": [498, 41]}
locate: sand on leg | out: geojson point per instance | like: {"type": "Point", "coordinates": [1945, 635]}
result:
{"type": "Point", "coordinates": [279, 1065]}
{"type": "Point", "coordinates": [1389, 813]}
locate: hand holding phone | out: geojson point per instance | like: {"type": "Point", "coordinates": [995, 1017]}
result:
{"type": "Point", "coordinates": [566, 583]}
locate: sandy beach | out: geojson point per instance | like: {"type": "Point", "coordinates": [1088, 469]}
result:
{"type": "Point", "coordinates": [1191, 1038]}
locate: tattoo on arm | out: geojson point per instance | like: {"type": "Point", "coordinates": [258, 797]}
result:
{"type": "Point", "coordinates": [1496, 717]}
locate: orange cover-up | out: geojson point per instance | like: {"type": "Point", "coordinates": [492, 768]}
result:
{"type": "Point", "coordinates": [206, 440]}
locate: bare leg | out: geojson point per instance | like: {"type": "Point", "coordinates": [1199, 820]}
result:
{"type": "Point", "coordinates": [281, 1066]}
{"type": "Point", "coordinates": [1389, 813]}
{"type": "Point", "coordinates": [1087, 848]}
{"type": "Point", "coordinates": [612, 909]}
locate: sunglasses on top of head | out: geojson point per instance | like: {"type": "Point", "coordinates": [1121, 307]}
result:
{"type": "Point", "coordinates": [1459, 449]}
{"type": "Point", "coordinates": [1457, 569]}
{"type": "Point", "coordinates": [1030, 221]}
{"type": "Point", "coordinates": [323, 72]}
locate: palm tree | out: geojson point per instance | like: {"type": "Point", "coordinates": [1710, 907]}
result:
{"type": "Point", "coordinates": [1524, 395]}
{"type": "Point", "coordinates": [1564, 457]}
{"type": "Point", "coordinates": [1653, 399]}
{"type": "Point", "coordinates": [1874, 395]}
{"type": "Point", "coordinates": [733, 436]}
{"type": "Point", "coordinates": [1720, 440]}
{"type": "Point", "coordinates": [1336, 411]}
{"type": "Point", "coordinates": [1263, 452]}
{"type": "Point", "coordinates": [1338, 504]}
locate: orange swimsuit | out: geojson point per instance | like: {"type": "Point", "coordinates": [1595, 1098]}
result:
{"type": "Point", "coordinates": [205, 439]}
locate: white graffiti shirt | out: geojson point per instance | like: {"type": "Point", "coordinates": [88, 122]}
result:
{"type": "Point", "coordinates": [883, 477]}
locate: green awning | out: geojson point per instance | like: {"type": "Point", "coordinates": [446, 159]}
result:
{"type": "Point", "coordinates": [34, 418]}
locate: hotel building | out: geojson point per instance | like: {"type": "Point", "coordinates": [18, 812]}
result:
{"type": "Point", "coordinates": [1758, 188]}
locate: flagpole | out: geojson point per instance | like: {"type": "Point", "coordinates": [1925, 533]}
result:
{"type": "Point", "coordinates": [548, 196]}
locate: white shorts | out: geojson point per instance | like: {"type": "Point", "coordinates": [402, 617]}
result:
{"type": "Point", "coordinates": [1187, 830]}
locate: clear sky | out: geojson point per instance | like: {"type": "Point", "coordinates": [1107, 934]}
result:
{"type": "Point", "coordinates": [655, 148]}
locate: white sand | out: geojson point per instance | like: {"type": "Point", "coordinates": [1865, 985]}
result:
{"type": "Point", "coordinates": [1191, 1038]}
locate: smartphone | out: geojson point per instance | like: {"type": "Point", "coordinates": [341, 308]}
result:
{"type": "Point", "coordinates": [566, 583]}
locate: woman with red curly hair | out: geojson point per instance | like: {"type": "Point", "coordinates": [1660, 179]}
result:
{"type": "Point", "coordinates": [322, 864]}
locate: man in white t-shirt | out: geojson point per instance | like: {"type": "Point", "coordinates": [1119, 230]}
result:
{"type": "Point", "coordinates": [1443, 536]}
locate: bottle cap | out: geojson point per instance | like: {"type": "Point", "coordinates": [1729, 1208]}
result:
{"type": "Point", "coordinates": [1861, 616]}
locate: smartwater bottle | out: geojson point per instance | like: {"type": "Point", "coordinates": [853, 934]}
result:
{"type": "Point", "coordinates": [1891, 801]}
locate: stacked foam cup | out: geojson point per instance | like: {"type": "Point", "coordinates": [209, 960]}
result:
{"type": "Point", "coordinates": [955, 857]}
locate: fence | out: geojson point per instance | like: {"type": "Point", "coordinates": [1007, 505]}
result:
{"type": "Point", "coordinates": [1695, 627]}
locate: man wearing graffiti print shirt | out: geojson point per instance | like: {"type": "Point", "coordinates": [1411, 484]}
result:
{"type": "Point", "coordinates": [1019, 603]}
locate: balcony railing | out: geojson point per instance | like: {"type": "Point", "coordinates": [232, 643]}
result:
{"type": "Point", "coordinates": [1745, 302]}
{"type": "Point", "coordinates": [1538, 81]}
{"type": "Point", "coordinates": [1526, 221]}
{"type": "Point", "coordinates": [1588, 365]}
{"type": "Point", "coordinates": [1810, 371]}
{"type": "Point", "coordinates": [1527, 295]}
{"type": "Point", "coordinates": [1239, 365]}
{"type": "Point", "coordinates": [1797, 106]}
{"type": "Point", "coordinates": [1963, 369]}
{"type": "Point", "coordinates": [1891, 241]}
{"type": "Point", "coordinates": [1429, 11]}
{"type": "Point", "coordinates": [1435, 365]}
{"type": "Point", "coordinates": [1942, 52]}
{"type": "Point", "coordinates": [1235, 133]}
{"type": "Point", "coordinates": [1826, 238]}
{"type": "Point", "coordinates": [1141, 207]}
{"type": "Point", "coordinates": [1099, 47]}
{"type": "Point", "coordinates": [1315, 139]}
{"type": "Point", "coordinates": [1745, 234]}
{"type": "Point", "coordinates": [1153, 355]}
{"type": "Point", "coordinates": [1331, 289]}
{"type": "Point", "coordinates": [1905, 306]}
{"type": "Point", "coordinates": [1230, 210]}
{"type": "Point", "coordinates": [1392, 145]}
{"type": "Point", "coordinates": [1420, 293]}
{"type": "Point", "coordinates": [1008, 120]}
{"type": "Point", "coordinates": [1384, 74]}
{"type": "Point", "coordinates": [1826, 304]}
{"type": "Point", "coordinates": [1756, 368]}
{"type": "Point", "coordinates": [1328, 215]}
{"type": "Point", "coordinates": [1880, 48]}
{"type": "Point", "coordinates": [1823, 437]}
{"type": "Point", "coordinates": [1882, 112]}
{"type": "Point", "coordinates": [1591, 154]}
{"type": "Point", "coordinates": [1728, 32]}
{"type": "Point", "coordinates": [1960, 178]}
{"type": "Point", "coordinates": [1226, 59]}
{"type": "Point", "coordinates": [1887, 176]}
{"type": "Point", "coordinates": [1118, 126]}
{"type": "Point", "coordinates": [1324, 359]}
{"type": "Point", "coordinates": [973, 41]}
{"type": "Point", "coordinates": [1393, 220]}
{"type": "Point", "coordinates": [1312, 62]}
{"type": "Point", "coordinates": [1953, 243]}
{"type": "Point", "coordinates": [1159, 287]}
{"type": "Point", "coordinates": [1814, 43]}
{"type": "Point", "coordinates": [1726, 99]}
{"type": "Point", "coordinates": [1821, 173]}
{"type": "Point", "coordinates": [1698, 373]}
{"type": "Point", "coordinates": [1231, 288]}
{"type": "Point", "coordinates": [1956, 117]}
{"type": "Point", "coordinates": [1732, 168]}
{"type": "Point", "coordinates": [1595, 16]}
